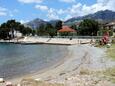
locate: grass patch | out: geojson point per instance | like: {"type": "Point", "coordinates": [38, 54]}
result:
{"type": "Point", "coordinates": [111, 52]}
{"type": "Point", "coordinates": [110, 74]}
{"type": "Point", "coordinates": [84, 71]}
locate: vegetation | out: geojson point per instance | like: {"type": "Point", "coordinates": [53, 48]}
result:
{"type": "Point", "coordinates": [8, 29]}
{"type": "Point", "coordinates": [32, 82]}
{"type": "Point", "coordinates": [111, 52]}
{"type": "Point", "coordinates": [48, 29]}
{"type": "Point", "coordinates": [110, 74]}
{"type": "Point", "coordinates": [58, 25]}
{"type": "Point", "coordinates": [73, 26]}
{"type": "Point", "coordinates": [102, 31]}
{"type": "Point", "coordinates": [88, 27]}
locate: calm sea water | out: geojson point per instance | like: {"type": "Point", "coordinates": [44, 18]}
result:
{"type": "Point", "coordinates": [17, 60]}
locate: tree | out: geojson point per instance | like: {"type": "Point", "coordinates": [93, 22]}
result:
{"type": "Point", "coordinates": [12, 25]}
{"type": "Point", "coordinates": [73, 26]}
{"type": "Point", "coordinates": [33, 32]}
{"type": "Point", "coordinates": [101, 32]}
{"type": "Point", "coordinates": [50, 30]}
{"type": "Point", "coordinates": [25, 30]}
{"type": "Point", "coordinates": [4, 31]}
{"type": "Point", "coordinates": [58, 25]}
{"type": "Point", "coordinates": [41, 30]}
{"type": "Point", "coordinates": [46, 30]}
{"type": "Point", "coordinates": [88, 27]}
{"type": "Point", "coordinates": [7, 29]}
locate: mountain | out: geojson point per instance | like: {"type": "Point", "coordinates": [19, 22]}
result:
{"type": "Point", "coordinates": [35, 23]}
{"type": "Point", "coordinates": [38, 22]}
{"type": "Point", "coordinates": [101, 16]}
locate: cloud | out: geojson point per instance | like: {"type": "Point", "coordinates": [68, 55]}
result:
{"type": "Point", "coordinates": [23, 21]}
{"type": "Point", "coordinates": [80, 9]}
{"type": "Point", "coordinates": [76, 9]}
{"type": "Point", "coordinates": [68, 1]}
{"type": "Point", "coordinates": [3, 11]}
{"type": "Point", "coordinates": [30, 1]}
{"type": "Point", "coordinates": [41, 7]}
{"type": "Point", "coordinates": [12, 13]}
{"type": "Point", "coordinates": [52, 14]}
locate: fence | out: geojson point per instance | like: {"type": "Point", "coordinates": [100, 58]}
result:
{"type": "Point", "coordinates": [75, 37]}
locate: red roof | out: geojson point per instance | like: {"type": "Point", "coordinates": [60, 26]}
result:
{"type": "Point", "coordinates": [66, 29]}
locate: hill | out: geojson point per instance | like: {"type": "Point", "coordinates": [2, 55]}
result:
{"type": "Point", "coordinates": [101, 16]}
{"type": "Point", "coordinates": [35, 23]}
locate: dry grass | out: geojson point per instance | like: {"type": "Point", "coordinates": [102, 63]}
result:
{"type": "Point", "coordinates": [111, 52]}
{"type": "Point", "coordinates": [32, 82]}
{"type": "Point", "coordinates": [110, 74]}
{"type": "Point", "coordinates": [84, 71]}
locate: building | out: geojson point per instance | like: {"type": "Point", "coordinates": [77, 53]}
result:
{"type": "Point", "coordinates": [110, 26]}
{"type": "Point", "coordinates": [67, 31]}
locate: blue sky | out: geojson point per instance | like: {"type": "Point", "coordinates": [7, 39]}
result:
{"type": "Point", "coordinates": [26, 10]}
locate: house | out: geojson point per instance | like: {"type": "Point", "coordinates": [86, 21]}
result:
{"type": "Point", "coordinates": [110, 26]}
{"type": "Point", "coordinates": [16, 33]}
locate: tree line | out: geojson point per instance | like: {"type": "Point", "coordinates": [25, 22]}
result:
{"type": "Point", "coordinates": [87, 27]}
{"type": "Point", "coordinates": [8, 29]}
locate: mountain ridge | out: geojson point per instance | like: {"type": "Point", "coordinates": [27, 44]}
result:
{"type": "Point", "coordinates": [100, 16]}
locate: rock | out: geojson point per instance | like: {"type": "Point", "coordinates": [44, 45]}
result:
{"type": "Point", "coordinates": [1, 80]}
{"type": "Point", "coordinates": [28, 82]}
{"type": "Point", "coordinates": [38, 79]}
{"type": "Point", "coordinates": [9, 83]}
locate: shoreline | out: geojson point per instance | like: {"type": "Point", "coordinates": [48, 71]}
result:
{"type": "Point", "coordinates": [52, 41]}
{"type": "Point", "coordinates": [71, 66]}
{"type": "Point", "coordinates": [80, 59]}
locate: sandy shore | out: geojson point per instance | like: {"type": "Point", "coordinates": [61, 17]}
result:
{"type": "Point", "coordinates": [77, 69]}
{"type": "Point", "coordinates": [54, 40]}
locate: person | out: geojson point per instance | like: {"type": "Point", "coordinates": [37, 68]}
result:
{"type": "Point", "coordinates": [91, 41]}
{"type": "Point", "coordinates": [70, 38]}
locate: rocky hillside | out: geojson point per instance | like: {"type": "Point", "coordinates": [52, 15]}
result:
{"type": "Point", "coordinates": [101, 16]}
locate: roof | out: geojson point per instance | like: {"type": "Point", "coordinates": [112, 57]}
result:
{"type": "Point", "coordinates": [66, 29]}
{"type": "Point", "coordinates": [110, 24]}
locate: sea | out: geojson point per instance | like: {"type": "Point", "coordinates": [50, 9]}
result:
{"type": "Point", "coordinates": [17, 60]}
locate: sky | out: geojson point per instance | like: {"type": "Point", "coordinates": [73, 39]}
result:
{"type": "Point", "coordinates": [27, 10]}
